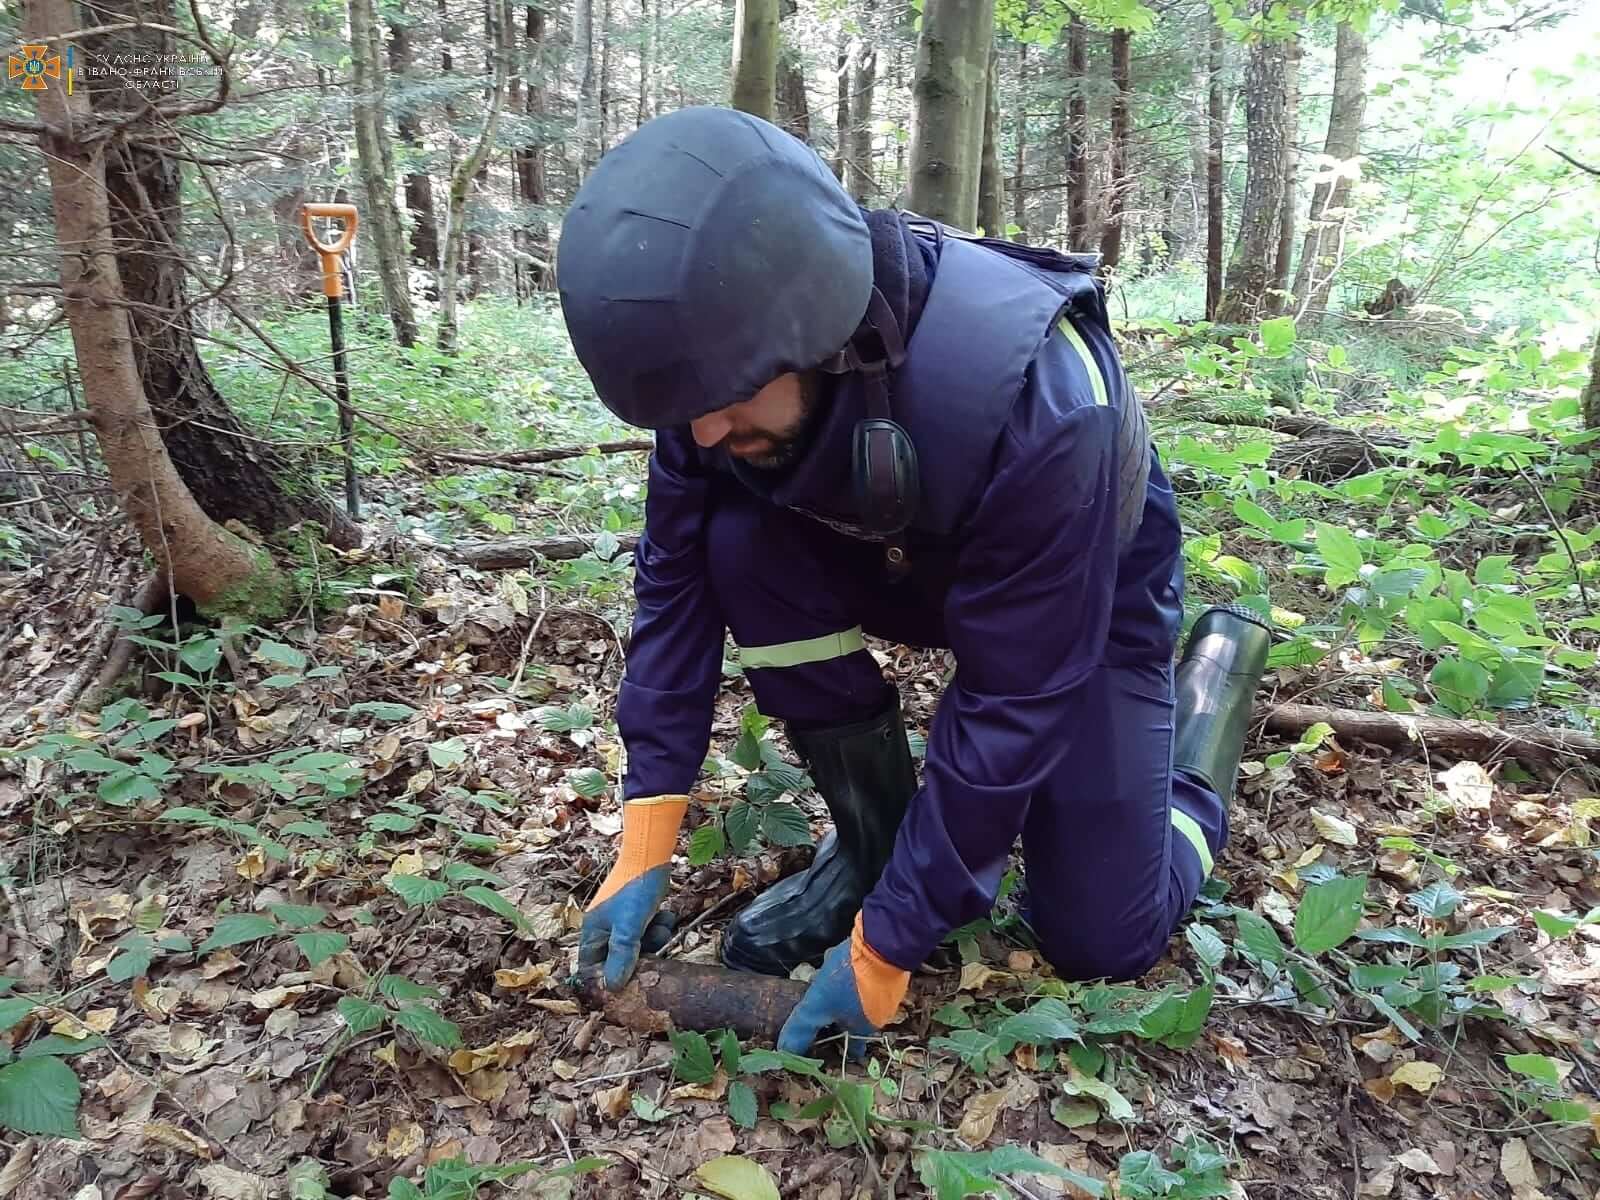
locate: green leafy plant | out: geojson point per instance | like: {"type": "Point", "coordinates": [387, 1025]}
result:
{"type": "Point", "coordinates": [39, 1093]}
{"type": "Point", "coordinates": [457, 1179]}
{"type": "Point", "coordinates": [404, 1010]}
{"type": "Point", "coordinates": [761, 812]}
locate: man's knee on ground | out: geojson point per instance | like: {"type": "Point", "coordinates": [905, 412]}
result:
{"type": "Point", "coordinates": [1084, 949]}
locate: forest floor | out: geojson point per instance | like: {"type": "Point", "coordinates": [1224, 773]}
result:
{"type": "Point", "coordinates": [301, 919]}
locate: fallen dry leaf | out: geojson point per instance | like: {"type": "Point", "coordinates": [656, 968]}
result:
{"type": "Point", "coordinates": [545, 921]}
{"type": "Point", "coordinates": [737, 1178]}
{"type": "Point", "coordinates": [614, 1103]}
{"type": "Point", "coordinates": [158, 1003]}
{"type": "Point", "coordinates": [16, 1168]}
{"type": "Point", "coordinates": [1074, 1157]}
{"type": "Point", "coordinates": [1419, 1076]}
{"type": "Point", "coordinates": [529, 975]}
{"type": "Point", "coordinates": [1467, 785]}
{"type": "Point", "coordinates": [716, 1136]}
{"type": "Point", "coordinates": [1230, 1050]}
{"type": "Point", "coordinates": [1517, 1167]}
{"type": "Point", "coordinates": [443, 1152]}
{"type": "Point", "coordinates": [565, 1008]}
{"type": "Point", "coordinates": [92, 915]}
{"type": "Point", "coordinates": [404, 1139]}
{"type": "Point", "coordinates": [1419, 1160]}
{"type": "Point", "coordinates": [977, 1123]}
{"type": "Point", "coordinates": [219, 963]}
{"type": "Point", "coordinates": [1380, 1182]}
{"type": "Point", "coordinates": [1379, 1089]}
{"type": "Point", "coordinates": [174, 1138]}
{"type": "Point", "coordinates": [715, 1089]}
{"type": "Point", "coordinates": [224, 1183]}
{"type": "Point", "coordinates": [975, 975]}
{"type": "Point", "coordinates": [142, 1188]}
{"type": "Point", "coordinates": [253, 865]}
{"type": "Point", "coordinates": [487, 1085]}
{"type": "Point", "coordinates": [275, 997]}
{"type": "Point", "coordinates": [1335, 829]}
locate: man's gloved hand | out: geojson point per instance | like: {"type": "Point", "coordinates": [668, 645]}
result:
{"type": "Point", "coordinates": [855, 990]}
{"type": "Point", "coordinates": [624, 907]}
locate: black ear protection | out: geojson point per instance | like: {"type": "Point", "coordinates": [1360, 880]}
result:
{"type": "Point", "coordinates": [883, 458]}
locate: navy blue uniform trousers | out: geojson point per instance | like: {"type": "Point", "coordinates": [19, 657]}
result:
{"type": "Point", "coordinates": [1117, 844]}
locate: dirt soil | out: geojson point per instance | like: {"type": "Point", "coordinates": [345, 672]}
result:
{"type": "Point", "coordinates": [204, 1087]}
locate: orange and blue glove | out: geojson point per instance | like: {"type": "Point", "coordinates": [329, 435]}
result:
{"type": "Point", "coordinates": [855, 991]}
{"type": "Point", "coordinates": [623, 911]}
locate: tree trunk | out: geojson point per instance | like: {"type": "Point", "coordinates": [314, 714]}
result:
{"type": "Point", "coordinates": [755, 57]}
{"type": "Point", "coordinates": [1255, 250]}
{"type": "Point", "coordinates": [646, 64]}
{"type": "Point", "coordinates": [461, 186]}
{"type": "Point", "coordinates": [605, 76]}
{"type": "Point", "coordinates": [1216, 127]}
{"type": "Point", "coordinates": [1591, 391]}
{"type": "Point", "coordinates": [1116, 191]}
{"type": "Point", "coordinates": [863, 76]}
{"type": "Point", "coordinates": [418, 183]}
{"type": "Point", "coordinates": [200, 559]}
{"type": "Point", "coordinates": [949, 96]}
{"type": "Point", "coordinates": [1326, 220]}
{"type": "Point", "coordinates": [1279, 297]}
{"type": "Point", "coordinates": [529, 159]}
{"type": "Point", "coordinates": [991, 184]}
{"type": "Point", "coordinates": [794, 110]}
{"type": "Point", "coordinates": [841, 115]}
{"type": "Point", "coordinates": [377, 170]}
{"type": "Point", "coordinates": [583, 58]}
{"type": "Point", "coordinates": [1077, 136]}
{"type": "Point", "coordinates": [232, 474]}
{"type": "Point", "coordinates": [1019, 207]}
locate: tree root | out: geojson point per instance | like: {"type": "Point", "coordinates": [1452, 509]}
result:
{"type": "Point", "coordinates": [150, 598]}
{"type": "Point", "coordinates": [1463, 739]}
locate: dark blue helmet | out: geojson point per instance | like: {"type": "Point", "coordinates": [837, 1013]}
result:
{"type": "Point", "coordinates": [704, 256]}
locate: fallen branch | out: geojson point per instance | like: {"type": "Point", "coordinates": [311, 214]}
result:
{"type": "Point", "coordinates": [522, 458]}
{"type": "Point", "coordinates": [665, 994]}
{"type": "Point", "coordinates": [1465, 739]}
{"type": "Point", "coordinates": [520, 552]}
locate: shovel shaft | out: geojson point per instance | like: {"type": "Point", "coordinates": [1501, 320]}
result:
{"type": "Point", "coordinates": [347, 423]}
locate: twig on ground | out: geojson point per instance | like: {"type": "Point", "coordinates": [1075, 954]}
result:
{"type": "Point", "coordinates": [698, 918]}
{"type": "Point", "coordinates": [562, 1134]}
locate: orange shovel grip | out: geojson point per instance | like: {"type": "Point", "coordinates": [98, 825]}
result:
{"type": "Point", "coordinates": [331, 284]}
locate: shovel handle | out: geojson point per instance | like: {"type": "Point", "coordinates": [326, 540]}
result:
{"type": "Point", "coordinates": [332, 287]}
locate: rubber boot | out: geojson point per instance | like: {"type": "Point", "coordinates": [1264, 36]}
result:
{"type": "Point", "coordinates": [1215, 684]}
{"type": "Point", "coordinates": [864, 773]}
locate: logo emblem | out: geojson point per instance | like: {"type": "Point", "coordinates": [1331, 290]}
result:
{"type": "Point", "coordinates": [34, 65]}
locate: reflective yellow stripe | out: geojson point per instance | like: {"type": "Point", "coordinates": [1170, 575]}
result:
{"type": "Point", "coordinates": [1096, 380]}
{"type": "Point", "coordinates": [794, 654]}
{"type": "Point", "coordinates": [1190, 828]}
